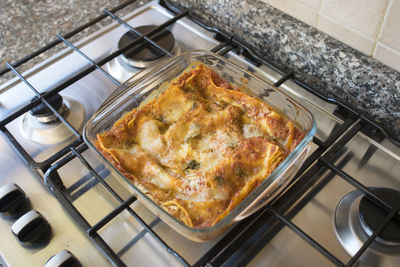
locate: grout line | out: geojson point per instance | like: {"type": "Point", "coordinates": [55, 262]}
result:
{"type": "Point", "coordinates": [343, 25]}
{"type": "Point", "coordinates": [393, 50]}
{"type": "Point", "coordinates": [295, 14]}
{"type": "Point", "coordinates": [382, 23]}
{"type": "Point", "coordinates": [319, 13]}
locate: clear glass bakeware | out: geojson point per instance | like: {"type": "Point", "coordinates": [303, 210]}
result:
{"type": "Point", "coordinates": [154, 80]}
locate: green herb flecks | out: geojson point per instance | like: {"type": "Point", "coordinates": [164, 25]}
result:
{"type": "Point", "coordinates": [220, 180]}
{"type": "Point", "coordinates": [192, 165]}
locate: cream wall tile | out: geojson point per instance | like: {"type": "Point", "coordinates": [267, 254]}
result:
{"type": "Point", "coordinates": [364, 16]}
{"type": "Point", "coordinates": [387, 56]}
{"type": "Point", "coordinates": [316, 4]}
{"type": "Point", "coordinates": [390, 33]}
{"type": "Point", "coordinates": [298, 10]}
{"type": "Point", "coordinates": [347, 35]}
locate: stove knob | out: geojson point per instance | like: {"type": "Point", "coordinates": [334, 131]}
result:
{"type": "Point", "coordinates": [12, 198]}
{"type": "Point", "coordinates": [31, 229]}
{"type": "Point", "coordinates": [64, 258]}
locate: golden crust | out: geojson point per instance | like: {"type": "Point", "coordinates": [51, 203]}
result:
{"type": "Point", "coordinates": [200, 148]}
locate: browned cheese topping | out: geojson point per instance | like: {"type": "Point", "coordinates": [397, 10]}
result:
{"type": "Point", "coordinates": [200, 147]}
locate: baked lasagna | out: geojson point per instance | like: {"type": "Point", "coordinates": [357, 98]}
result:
{"type": "Point", "coordinates": [200, 147]}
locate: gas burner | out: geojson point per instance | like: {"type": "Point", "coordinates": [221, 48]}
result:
{"type": "Point", "coordinates": [143, 54]}
{"type": "Point", "coordinates": [42, 126]}
{"type": "Point", "coordinates": [44, 115]}
{"type": "Point", "coordinates": [371, 216]}
{"type": "Point", "coordinates": [356, 217]}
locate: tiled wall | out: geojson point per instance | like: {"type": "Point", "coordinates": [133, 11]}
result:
{"type": "Point", "coordinates": [371, 26]}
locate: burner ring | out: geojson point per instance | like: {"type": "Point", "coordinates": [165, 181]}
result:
{"type": "Point", "coordinates": [52, 118]}
{"type": "Point", "coordinates": [351, 235]}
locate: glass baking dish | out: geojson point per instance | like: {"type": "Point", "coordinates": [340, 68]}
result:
{"type": "Point", "coordinates": [150, 82]}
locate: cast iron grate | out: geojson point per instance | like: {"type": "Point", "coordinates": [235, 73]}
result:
{"type": "Point", "coordinates": [275, 216]}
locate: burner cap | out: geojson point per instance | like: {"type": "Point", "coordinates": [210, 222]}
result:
{"type": "Point", "coordinates": [42, 110]}
{"type": "Point", "coordinates": [43, 114]}
{"type": "Point", "coordinates": [371, 215]}
{"type": "Point", "coordinates": [144, 52]}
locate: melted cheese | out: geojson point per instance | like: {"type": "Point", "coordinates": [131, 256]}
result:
{"type": "Point", "coordinates": [200, 148]}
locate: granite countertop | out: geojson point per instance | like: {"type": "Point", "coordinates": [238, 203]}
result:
{"type": "Point", "coordinates": [28, 25]}
{"type": "Point", "coordinates": [331, 67]}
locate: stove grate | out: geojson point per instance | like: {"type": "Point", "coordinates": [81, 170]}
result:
{"type": "Point", "coordinates": [273, 217]}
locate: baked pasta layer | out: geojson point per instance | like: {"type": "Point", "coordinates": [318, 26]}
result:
{"type": "Point", "coordinates": [200, 147]}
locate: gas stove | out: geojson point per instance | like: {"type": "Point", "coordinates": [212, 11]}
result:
{"type": "Point", "coordinates": [57, 199]}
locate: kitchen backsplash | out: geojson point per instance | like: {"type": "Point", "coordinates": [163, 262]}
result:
{"type": "Point", "coordinates": [370, 26]}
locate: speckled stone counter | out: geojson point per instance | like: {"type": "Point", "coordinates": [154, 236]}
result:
{"type": "Point", "coordinates": [27, 25]}
{"type": "Point", "coordinates": [328, 65]}
{"type": "Point", "coordinates": [331, 67]}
